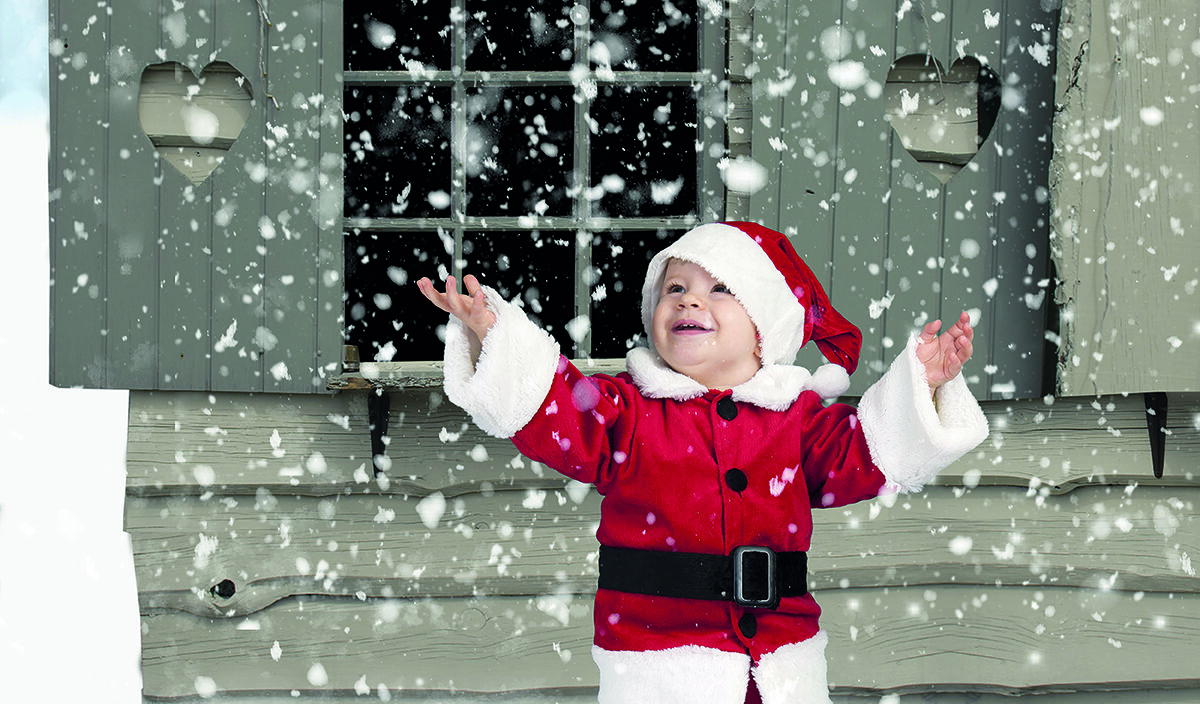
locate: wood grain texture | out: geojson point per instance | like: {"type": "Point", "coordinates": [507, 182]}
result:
{"type": "Point", "coordinates": [320, 445]}
{"type": "Point", "coordinates": [950, 639]}
{"type": "Point", "coordinates": [508, 543]}
{"type": "Point", "coordinates": [588, 696]}
{"type": "Point", "coordinates": [1124, 179]}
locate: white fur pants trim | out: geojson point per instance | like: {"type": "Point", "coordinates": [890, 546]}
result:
{"type": "Point", "coordinates": [685, 675]}
{"type": "Point", "coordinates": [795, 673]}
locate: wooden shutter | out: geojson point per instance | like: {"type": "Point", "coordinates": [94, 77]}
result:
{"type": "Point", "coordinates": [887, 238]}
{"type": "Point", "coordinates": [162, 282]}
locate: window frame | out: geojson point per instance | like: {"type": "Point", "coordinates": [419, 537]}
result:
{"type": "Point", "coordinates": [713, 79]}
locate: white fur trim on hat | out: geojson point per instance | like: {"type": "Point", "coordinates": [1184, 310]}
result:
{"type": "Point", "coordinates": [911, 439]}
{"type": "Point", "coordinates": [736, 260]}
{"type": "Point", "coordinates": [507, 385]}
{"type": "Point", "coordinates": [686, 674]}
{"type": "Point", "coordinates": [775, 387]}
{"type": "Point", "coordinates": [796, 672]}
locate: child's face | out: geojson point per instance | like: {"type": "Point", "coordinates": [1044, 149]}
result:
{"type": "Point", "coordinates": [702, 330]}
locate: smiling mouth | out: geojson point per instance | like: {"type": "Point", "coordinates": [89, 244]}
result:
{"type": "Point", "coordinates": [689, 326]}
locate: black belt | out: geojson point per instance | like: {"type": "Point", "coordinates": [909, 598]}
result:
{"type": "Point", "coordinates": [749, 576]}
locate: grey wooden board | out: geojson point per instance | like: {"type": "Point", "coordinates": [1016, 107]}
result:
{"type": "Point", "coordinates": [1161, 696]}
{"type": "Point", "coordinates": [159, 283]}
{"type": "Point", "coordinates": [537, 541]}
{"type": "Point", "coordinates": [293, 168]}
{"type": "Point", "coordinates": [78, 201]}
{"type": "Point", "coordinates": [1021, 143]}
{"type": "Point", "coordinates": [954, 638]}
{"type": "Point", "coordinates": [132, 306]}
{"type": "Point", "coordinates": [861, 184]}
{"type": "Point", "coordinates": [192, 443]}
{"type": "Point", "coordinates": [1121, 196]}
{"type": "Point", "coordinates": [184, 335]}
{"type": "Point", "coordinates": [328, 216]}
{"type": "Point", "coordinates": [239, 187]}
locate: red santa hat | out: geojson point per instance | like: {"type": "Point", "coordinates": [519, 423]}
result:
{"type": "Point", "coordinates": [779, 292]}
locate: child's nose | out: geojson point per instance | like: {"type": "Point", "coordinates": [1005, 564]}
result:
{"type": "Point", "coordinates": [690, 300]}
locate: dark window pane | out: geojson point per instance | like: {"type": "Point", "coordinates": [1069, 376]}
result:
{"type": "Point", "coordinates": [519, 151]}
{"type": "Point", "coordinates": [529, 36]}
{"type": "Point", "coordinates": [385, 36]}
{"type": "Point", "coordinates": [538, 267]}
{"type": "Point", "coordinates": [386, 316]}
{"type": "Point", "coordinates": [619, 261]}
{"type": "Point", "coordinates": [397, 148]}
{"type": "Point", "coordinates": [644, 157]}
{"type": "Point", "coordinates": [650, 35]}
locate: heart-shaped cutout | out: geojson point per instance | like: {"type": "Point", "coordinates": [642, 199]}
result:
{"type": "Point", "coordinates": [191, 121]}
{"type": "Point", "coordinates": [942, 117]}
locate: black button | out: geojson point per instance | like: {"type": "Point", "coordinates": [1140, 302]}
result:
{"type": "Point", "coordinates": [726, 408]}
{"type": "Point", "coordinates": [748, 625]}
{"type": "Point", "coordinates": [736, 479]}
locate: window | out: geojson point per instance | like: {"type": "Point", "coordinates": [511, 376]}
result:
{"type": "Point", "coordinates": [549, 148]}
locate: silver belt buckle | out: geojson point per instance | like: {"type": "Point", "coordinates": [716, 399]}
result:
{"type": "Point", "coordinates": [740, 572]}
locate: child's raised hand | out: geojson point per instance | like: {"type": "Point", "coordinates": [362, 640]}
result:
{"type": "Point", "coordinates": [944, 355]}
{"type": "Point", "coordinates": [471, 309]}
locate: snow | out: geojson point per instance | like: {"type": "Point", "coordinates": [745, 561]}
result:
{"type": "Point", "coordinates": [63, 555]}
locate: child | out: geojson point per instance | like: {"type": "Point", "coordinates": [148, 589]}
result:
{"type": "Point", "coordinates": [710, 452]}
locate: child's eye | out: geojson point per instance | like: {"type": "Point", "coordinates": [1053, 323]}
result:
{"type": "Point", "coordinates": [720, 288]}
{"type": "Point", "coordinates": [674, 288]}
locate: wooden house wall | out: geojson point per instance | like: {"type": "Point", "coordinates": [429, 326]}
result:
{"type": "Point", "coordinates": [890, 242]}
{"type": "Point", "coordinates": [233, 284]}
{"type": "Point", "coordinates": [1125, 180]}
{"type": "Point", "coordinates": [272, 563]}
{"type": "Point", "coordinates": [1049, 561]}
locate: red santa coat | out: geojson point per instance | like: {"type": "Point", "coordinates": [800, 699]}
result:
{"type": "Point", "coordinates": [670, 467]}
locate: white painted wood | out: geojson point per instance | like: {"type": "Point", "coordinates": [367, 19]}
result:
{"type": "Point", "coordinates": [1123, 180]}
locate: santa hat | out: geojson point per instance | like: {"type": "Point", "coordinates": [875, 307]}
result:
{"type": "Point", "coordinates": [779, 292]}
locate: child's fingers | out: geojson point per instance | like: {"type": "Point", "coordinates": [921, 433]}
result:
{"type": "Point", "coordinates": [964, 324]}
{"type": "Point", "coordinates": [472, 284]}
{"type": "Point", "coordinates": [930, 331]}
{"type": "Point", "coordinates": [963, 347]}
{"type": "Point", "coordinates": [435, 297]}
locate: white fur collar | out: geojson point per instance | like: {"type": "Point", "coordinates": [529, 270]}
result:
{"type": "Point", "coordinates": [775, 387]}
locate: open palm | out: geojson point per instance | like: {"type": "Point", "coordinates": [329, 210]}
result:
{"type": "Point", "coordinates": [470, 308]}
{"type": "Point", "coordinates": [944, 355]}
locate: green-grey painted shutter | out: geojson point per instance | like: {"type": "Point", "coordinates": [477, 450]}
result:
{"type": "Point", "coordinates": [889, 241]}
{"type": "Point", "coordinates": [233, 283]}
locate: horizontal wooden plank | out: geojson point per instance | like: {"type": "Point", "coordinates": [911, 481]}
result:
{"type": "Point", "coordinates": [536, 541]}
{"type": "Point", "coordinates": [194, 443]}
{"type": "Point", "coordinates": [1158, 696]}
{"type": "Point", "coordinates": [949, 639]}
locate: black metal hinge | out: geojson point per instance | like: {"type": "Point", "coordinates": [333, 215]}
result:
{"type": "Point", "coordinates": [379, 404]}
{"type": "Point", "coordinates": [1156, 424]}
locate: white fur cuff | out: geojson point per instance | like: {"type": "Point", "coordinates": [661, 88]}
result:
{"type": "Point", "coordinates": [685, 674]}
{"type": "Point", "coordinates": [505, 388]}
{"type": "Point", "coordinates": [910, 439]}
{"type": "Point", "coordinates": [795, 673]}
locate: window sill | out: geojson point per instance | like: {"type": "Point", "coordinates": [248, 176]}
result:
{"type": "Point", "coordinates": [398, 376]}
